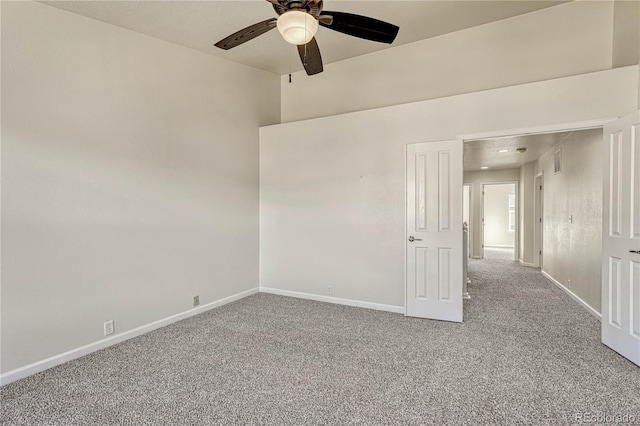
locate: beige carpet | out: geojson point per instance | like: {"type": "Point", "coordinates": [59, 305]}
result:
{"type": "Point", "coordinates": [526, 354]}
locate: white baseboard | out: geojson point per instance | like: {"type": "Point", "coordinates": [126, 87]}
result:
{"type": "Point", "coordinates": [336, 300]}
{"type": "Point", "coordinates": [530, 265]}
{"type": "Point", "coordinates": [37, 367]}
{"type": "Point", "coordinates": [573, 296]}
{"type": "Point", "coordinates": [497, 246]}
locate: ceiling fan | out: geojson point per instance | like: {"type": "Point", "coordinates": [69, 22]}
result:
{"type": "Point", "coordinates": [298, 22]}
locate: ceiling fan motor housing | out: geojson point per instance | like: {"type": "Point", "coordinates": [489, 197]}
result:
{"type": "Point", "coordinates": [309, 6]}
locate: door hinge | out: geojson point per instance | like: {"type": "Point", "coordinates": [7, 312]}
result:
{"type": "Point", "coordinates": [540, 187]}
{"type": "Point", "coordinates": [540, 252]}
{"type": "Point", "coordinates": [540, 220]}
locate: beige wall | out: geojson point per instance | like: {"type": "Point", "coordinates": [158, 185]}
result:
{"type": "Point", "coordinates": [476, 180]}
{"type": "Point", "coordinates": [572, 250]}
{"type": "Point", "coordinates": [527, 213]}
{"type": "Point", "coordinates": [569, 39]}
{"type": "Point", "coordinates": [626, 33]}
{"type": "Point", "coordinates": [129, 179]}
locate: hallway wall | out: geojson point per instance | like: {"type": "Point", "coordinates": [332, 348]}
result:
{"type": "Point", "coordinates": [572, 218]}
{"type": "Point", "coordinates": [527, 213]}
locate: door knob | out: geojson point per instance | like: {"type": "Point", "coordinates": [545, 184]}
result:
{"type": "Point", "coordinates": [411, 239]}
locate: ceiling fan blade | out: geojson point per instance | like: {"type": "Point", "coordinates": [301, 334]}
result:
{"type": "Point", "coordinates": [310, 57]}
{"type": "Point", "coordinates": [360, 26]}
{"type": "Point", "coordinates": [247, 34]}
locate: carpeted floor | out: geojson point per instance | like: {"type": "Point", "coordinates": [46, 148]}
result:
{"type": "Point", "coordinates": [526, 354]}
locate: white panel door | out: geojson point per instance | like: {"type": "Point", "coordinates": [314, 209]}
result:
{"type": "Point", "coordinates": [621, 237]}
{"type": "Point", "coordinates": [434, 231]}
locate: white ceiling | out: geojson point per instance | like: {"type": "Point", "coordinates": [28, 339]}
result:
{"type": "Point", "coordinates": [485, 152]}
{"type": "Point", "coordinates": [200, 24]}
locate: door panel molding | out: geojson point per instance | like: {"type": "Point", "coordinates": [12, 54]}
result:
{"type": "Point", "coordinates": [620, 241]}
{"type": "Point", "coordinates": [433, 287]}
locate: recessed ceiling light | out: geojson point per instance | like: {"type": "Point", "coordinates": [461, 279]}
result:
{"type": "Point", "coordinates": [503, 150]}
{"type": "Point", "coordinates": [484, 167]}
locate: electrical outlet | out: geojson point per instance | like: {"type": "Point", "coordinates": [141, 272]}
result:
{"type": "Point", "coordinates": [109, 328]}
{"type": "Point", "coordinates": [196, 300]}
{"type": "Point", "coordinates": [329, 289]}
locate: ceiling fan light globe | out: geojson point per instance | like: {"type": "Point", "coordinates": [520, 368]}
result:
{"type": "Point", "coordinates": [297, 27]}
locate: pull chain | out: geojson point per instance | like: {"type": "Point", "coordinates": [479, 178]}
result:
{"type": "Point", "coordinates": [289, 65]}
{"type": "Point", "coordinates": [305, 45]}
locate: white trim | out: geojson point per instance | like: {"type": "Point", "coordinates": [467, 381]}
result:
{"type": "Point", "coordinates": [573, 296]}
{"type": "Point", "coordinates": [498, 246]}
{"type": "Point", "coordinates": [538, 219]}
{"type": "Point", "coordinates": [39, 366]}
{"type": "Point", "coordinates": [476, 257]}
{"type": "Point", "coordinates": [470, 231]}
{"type": "Point", "coordinates": [336, 300]}
{"type": "Point", "coordinates": [404, 235]}
{"type": "Point", "coordinates": [527, 264]}
{"type": "Point", "coordinates": [549, 128]}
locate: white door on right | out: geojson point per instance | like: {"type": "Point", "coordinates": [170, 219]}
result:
{"type": "Point", "coordinates": [621, 237]}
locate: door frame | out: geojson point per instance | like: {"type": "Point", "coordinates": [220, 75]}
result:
{"type": "Point", "coordinates": [540, 129]}
{"type": "Point", "coordinates": [533, 130]}
{"type": "Point", "coordinates": [470, 232]}
{"type": "Point", "coordinates": [538, 206]}
{"type": "Point", "coordinates": [516, 236]}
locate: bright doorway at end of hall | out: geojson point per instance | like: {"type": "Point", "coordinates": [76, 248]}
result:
{"type": "Point", "coordinates": [499, 217]}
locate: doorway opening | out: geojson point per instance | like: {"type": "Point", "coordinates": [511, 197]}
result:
{"type": "Point", "coordinates": [552, 205]}
{"type": "Point", "coordinates": [499, 224]}
{"type": "Point", "coordinates": [522, 159]}
{"type": "Point", "coordinates": [538, 243]}
{"type": "Point", "coordinates": [575, 193]}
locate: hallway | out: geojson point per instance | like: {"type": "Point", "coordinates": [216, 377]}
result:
{"type": "Point", "coordinates": [549, 346]}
